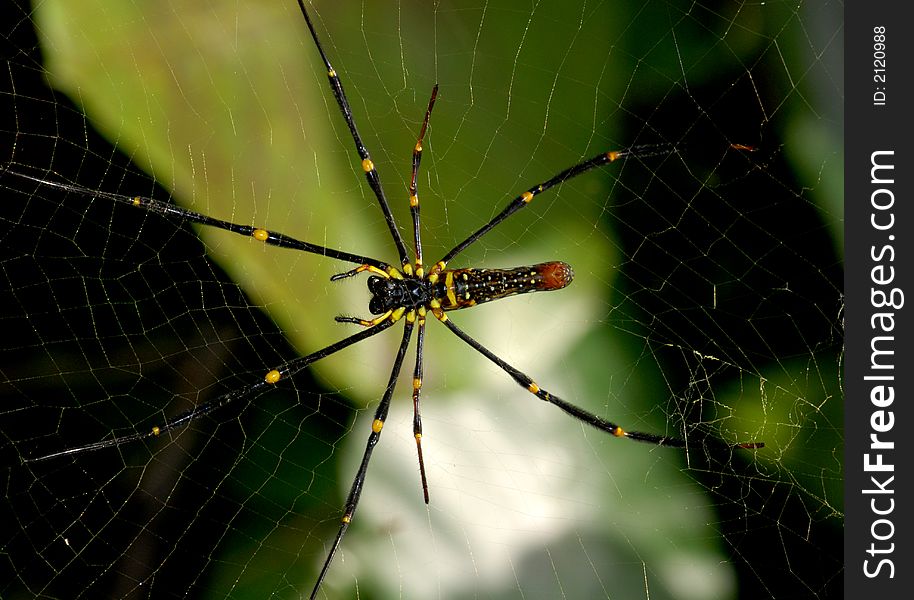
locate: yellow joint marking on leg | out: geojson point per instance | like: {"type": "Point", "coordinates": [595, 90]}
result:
{"type": "Point", "coordinates": [422, 313]}
{"type": "Point", "coordinates": [137, 201]}
{"type": "Point", "coordinates": [439, 314]}
{"type": "Point", "coordinates": [331, 73]}
{"type": "Point", "coordinates": [261, 234]}
{"type": "Point", "coordinates": [411, 316]}
{"type": "Point", "coordinates": [419, 271]}
{"type": "Point", "coordinates": [619, 432]}
{"type": "Point", "coordinates": [613, 155]}
{"type": "Point", "coordinates": [418, 437]}
{"type": "Point", "coordinates": [156, 430]}
{"type": "Point", "coordinates": [272, 377]}
{"type": "Point", "coordinates": [407, 268]}
{"type": "Point", "coordinates": [434, 304]}
{"type": "Point", "coordinates": [527, 196]}
{"type": "Point", "coordinates": [418, 147]}
{"type": "Point", "coordinates": [533, 388]}
{"type": "Point", "coordinates": [367, 165]}
{"type": "Point", "coordinates": [347, 518]}
{"type": "Point", "coordinates": [437, 268]}
{"type": "Point", "coordinates": [414, 200]}
{"type": "Point", "coordinates": [397, 314]}
{"type": "Point", "coordinates": [392, 273]}
{"type": "Point", "coordinates": [417, 383]}
{"type": "Point", "coordinates": [377, 425]}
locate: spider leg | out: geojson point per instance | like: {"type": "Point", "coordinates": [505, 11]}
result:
{"type": "Point", "coordinates": [371, 174]}
{"type": "Point", "coordinates": [172, 211]}
{"type": "Point", "coordinates": [417, 388]}
{"type": "Point", "coordinates": [413, 184]}
{"type": "Point", "coordinates": [526, 197]}
{"type": "Point", "coordinates": [420, 313]}
{"type": "Point", "coordinates": [579, 413]}
{"type": "Point", "coordinates": [251, 390]}
{"type": "Point", "coordinates": [377, 425]}
{"type": "Point", "coordinates": [389, 315]}
{"type": "Point", "coordinates": [387, 273]}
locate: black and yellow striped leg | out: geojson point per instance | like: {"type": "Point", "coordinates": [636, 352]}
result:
{"type": "Point", "coordinates": [250, 391]}
{"type": "Point", "coordinates": [371, 174]}
{"type": "Point", "coordinates": [355, 492]}
{"type": "Point", "coordinates": [579, 413]}
{"type": "Point", "coordinates": [525, 198]}
{"type": "Point", "coordinates": [413, 184]}
{"type": "Point", "coordinates": [417, 389]}
{"type": "Point", "coordinates": [179, 214]}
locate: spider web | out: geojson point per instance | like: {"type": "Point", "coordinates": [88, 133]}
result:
{"type": "Point", "coordinates": [707, 299]}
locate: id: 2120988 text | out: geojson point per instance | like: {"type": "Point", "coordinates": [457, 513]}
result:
{"type": "Point", "coordinates": [879, 73]}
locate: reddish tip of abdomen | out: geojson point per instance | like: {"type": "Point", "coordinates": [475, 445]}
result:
{"type": "Point", "coordinates": [556, 275]}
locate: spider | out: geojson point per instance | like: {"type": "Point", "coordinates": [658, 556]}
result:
{"type": "Point", "coordinates": [406, 291]}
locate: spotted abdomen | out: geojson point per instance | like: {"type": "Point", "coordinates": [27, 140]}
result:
{"type": "Point", "coordinates": [462, 288]}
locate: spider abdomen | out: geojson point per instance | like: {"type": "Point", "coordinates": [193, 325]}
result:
{"type": "Point", "coordinates": [463, 288]}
